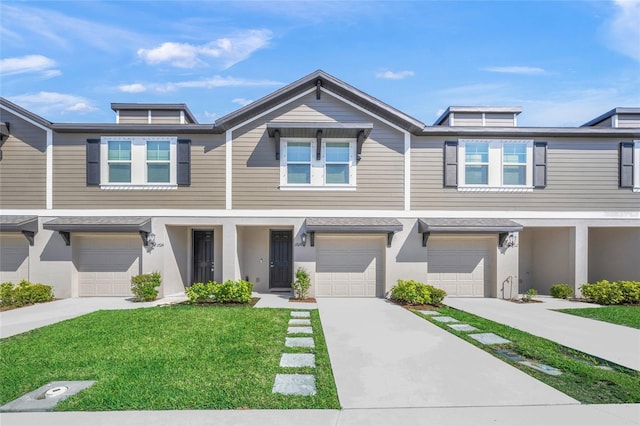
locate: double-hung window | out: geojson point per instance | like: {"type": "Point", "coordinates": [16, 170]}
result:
{"type": "Point", "coordinates": [495, 165]}
{"type": "Point", "coordinates": [138, 161]}
{"type": "Point", "coordinates": [300, 168]}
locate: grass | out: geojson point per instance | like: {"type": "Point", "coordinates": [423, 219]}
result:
{"type": "Point", "coordinates": [179, 357]}
{"type": "Point", "coordinates": [622, 315]}
{"type": "Point", "coordinates": [581, 378]}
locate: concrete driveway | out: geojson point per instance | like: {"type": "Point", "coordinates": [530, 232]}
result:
{"type": "Point", "coordinates": [384, 356]}
{"type": "Point", "coordinates": [604, 340]}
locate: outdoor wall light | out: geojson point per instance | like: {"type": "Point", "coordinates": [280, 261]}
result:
{"type": "Point", "coordinates": [303, 239]}
{"type": "Point", "coordinates": [151, 239]}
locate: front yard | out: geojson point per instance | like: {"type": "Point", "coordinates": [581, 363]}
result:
{"type": "Point", "coordinates": [179, 357]}
{"type": "Point", "coordinates": [622, 315]}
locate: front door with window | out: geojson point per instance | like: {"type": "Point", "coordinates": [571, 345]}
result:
{"type": "Point", "coordinates": [202, 256]}
{"type": "Point", "coordinates": [281, 259]}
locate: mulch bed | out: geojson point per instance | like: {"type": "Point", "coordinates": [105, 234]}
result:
{"type": "Point", "coordinates": [307, 300]}
{"type": "Point", "coordinates": [253, 301]}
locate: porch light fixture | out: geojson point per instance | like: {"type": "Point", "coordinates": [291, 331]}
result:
{"type": "Point", "coordinates": [151, 240]}
{"type": "Point", "coordinates": [303, 239]}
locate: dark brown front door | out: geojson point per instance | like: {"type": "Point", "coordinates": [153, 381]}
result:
{"type": "Point", "coordinates": [202, 256]}
{"type": "Point", "coordinates": [281, 259]}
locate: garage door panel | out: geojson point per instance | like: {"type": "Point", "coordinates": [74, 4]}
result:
{"type": "Point", "coordinates": [14, 258]}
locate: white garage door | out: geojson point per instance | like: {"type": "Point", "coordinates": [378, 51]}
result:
{"type": "Point", "coordinates": [14, 258]}
{"type": "Point", "coordinates": [460, 266]}
{"type": "Point", "coordinates": [106, 263]}
{"type": "Point", "coordinates": [348, 266]}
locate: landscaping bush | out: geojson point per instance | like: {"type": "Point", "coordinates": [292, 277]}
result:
{"type": "Point", "coordinates": [630, 291]}
{"type": "Point", "coordinates": [528, 296]}
{"type": "Point", "coordinates": [417, 293]}
{"type": "Point", "coordinates": [561, 291]}
{"type": "Point", "coordinates": [25, 293]}
{"type": "Point", "coordinates": [302, 283]}
{"type": "Point", "coordinates": [228, 292]}
{"type": "Point", "coordinates": [603, 292]}
{"type": "Point", "coordinates": [143, 286]}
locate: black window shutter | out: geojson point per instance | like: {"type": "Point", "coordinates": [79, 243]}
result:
{"type": "Point", "coordinates": [184, 162]}
{"type": "Point", "coordinates": [451, 164]}
{"type": "Point", "coordinates": [539, 164]}
{"type": "Point", "coordinates": [93, 162]}
{"type": "Point", "coordinates": [626, 165]}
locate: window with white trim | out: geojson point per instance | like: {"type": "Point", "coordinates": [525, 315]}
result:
{"type": "Point", "coordinates": [499, 165]}
{"type": "Point", "coordinates": [299, 168]}
{"type": "Point", "coordinates": [130, 161]}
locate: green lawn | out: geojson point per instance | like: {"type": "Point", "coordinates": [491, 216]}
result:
{"type": "Point", "coordinates": [179, 357]}
{"type": "Point", "coordinates": [584, 382]}
{"type": "Point", "coordinates": [623, 315]}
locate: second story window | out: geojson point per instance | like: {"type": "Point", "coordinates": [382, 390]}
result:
{"type": "Point", "coordinates": [158, 161]}
{"type": "Point", "coordinates": [337, 163]}
{"type": "Point", "coordinates": [119, 160]}
{"type": "Point", "coordinates": [299, 163]}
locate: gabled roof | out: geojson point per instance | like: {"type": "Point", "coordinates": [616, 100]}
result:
{"type": "Point", "coordinates": [18, 109]}
{"type": "Point", "coordinates": [609, 114]}
{"type": "Point", "coordinates": [330, 83]}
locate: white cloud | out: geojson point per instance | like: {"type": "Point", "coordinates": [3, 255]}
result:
{"type": "Point", "coordinates": [516, 70]}
{"type": "Point", "coordinates": [227, 50]}
{"type": "Point", "coordinates": [623, 30]}
{"type": "Point", "coordinates": [242, 101]}
{"type": "Point", "coordinates": [214, 82]}
{"type": "Point", "coordinates": [208, 116]}
{"type": "Point", "coordinates": [394, 75]}
{"type": "Point", "coordinates": [132, 88]}
{"type": "Point", "coordinates": [29, 64]}
{"type": "Point", "coordinates": [53, 102]}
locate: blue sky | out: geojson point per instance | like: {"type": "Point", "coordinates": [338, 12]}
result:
{"type": "Point", "coordinates": [564, 62]}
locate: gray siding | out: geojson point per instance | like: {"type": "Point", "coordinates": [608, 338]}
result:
{"type": "Point", "coordinates": [133, 117]}
{"type": "Point", "coordinates": [582, 176]}
{"type": "Point", "coordinates": [461, 119]}
{"type": "Point", "coordinates": [23, 165]}
{"type": "Point", "coordinates": [629, 120]}
{"type": "Point", "coordinates": [498, 120]}
{"type": "Point", "coordinates": [256, 172]}
{"type": "Point", "coordinates": [207, 189]}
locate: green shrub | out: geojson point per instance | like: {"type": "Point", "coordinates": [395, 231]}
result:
{"type": "Point", "coordinates": [6, 294]}
{"type": "Point", "coordinates": [416, 293]}
{"type": "Point", "coordinates": [143, 286]}
{"type": "Point", "coordinates": [302, 283]}
{"type": "Point", "coordinates": [561, 291]}
{"type": "Point", "coordinates": [528, 296]}
{"type": "Point", "coordinates": [25, 293]}
{"type": "Point", "coordinates": [630, 291]}
{"type": "Point", "coordinates": [603, 292]}
{"type": "Point", "coordinates": [228, 292]}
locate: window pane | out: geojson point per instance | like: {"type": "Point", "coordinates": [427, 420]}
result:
{"type": "Point", "coordinates": [119, 172]}
{"type": "Point", "coordinates": [337, 173]}
{"type": "Point", "coordinates": [514, 175]}
{"type": "Point", "coordinates": [298, 173]}
{"type": "Point", "coordinates": [119, 150]}
{"type": "Point", "coordinates": [476, 175]}
{"type": "Point", "coordinates": [158, 172]}
{"type": "Point", "coordinates": [515, 153]}
{"type": "Point", "coordinates": [298, 151]}
{"type": "Point", "coordinates": [158, 150]}
{"type": "Point", "coordinates": [476, 153]}
{"type": "Point", "coordinates": [338, 152]}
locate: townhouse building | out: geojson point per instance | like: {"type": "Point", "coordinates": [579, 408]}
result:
{"type": "Point", "coordinates": [323, 176]}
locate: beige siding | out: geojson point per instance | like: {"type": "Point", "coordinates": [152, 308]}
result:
{"type": "Point", "coordinates": [23, 165]}
{"type": "Point", "coordinates": [256, 172]}
{"type": "Point", "coordinates": [207, 189]}
{"type": "Point", "coordinates": [467, 119]}
{"type": "Point", "coordinates": [165, 117]}
{"type": "Point", "coordinates": [582, 176]}
{"type": "Point", "coordinates": [133, 117]}
{"type": "Point", "coordinates": [498, 120]}
{"type": "Point", "coordinates": [629, 121]}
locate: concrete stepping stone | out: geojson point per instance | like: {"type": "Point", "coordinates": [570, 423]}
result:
{"type": "Point", "coordinates": [299, 342]}
{"type": "Point", "coordinates": [299, 322]}
{"type": "Point", "coordinates": [510, 354]}
{"type": "Point", "coordinates": [462, 327]}
{"type": "Point", "coordinates": [300, 330]}
{"type": "Point", "coordinates": [489, 339]}
{"type": "Point", "coordinates": [445, 319]}
{"type": "Point", "coordinates": [547, 369]}
{"type": "Point", "coordinates": [295, 384]}
{"type": "Point", "coordinates": [300, 314]}
{"type": "Point", "coordinates": [430, 312]}
{"type": "Point", "coordinates": [298, 360]}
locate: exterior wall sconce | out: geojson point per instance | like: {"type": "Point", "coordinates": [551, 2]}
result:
{"type": "Point", "coordinates": [303, 239]}
{"type": "Point", "coordinates": [151, 240]}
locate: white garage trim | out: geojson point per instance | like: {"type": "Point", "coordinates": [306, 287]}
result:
{"type": "Point", "coordinates": [14, 258]}
{"type": "Point", "coordinates": [349, 265]}
{"type": "Point", "coordinates": [106, 263]}
{"type": "Point", "coordinates": [462, 266]}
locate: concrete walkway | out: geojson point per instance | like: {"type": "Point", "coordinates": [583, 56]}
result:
{"type": "Point", "coordinates": [384, 356]}
{"type": "Point", "coordinates": [566, 415]}
{"type": "Point", "coordinates": [604, 340]}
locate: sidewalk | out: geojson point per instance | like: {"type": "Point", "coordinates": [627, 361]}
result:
{"type": "Point", "coordinates": [615, 343]}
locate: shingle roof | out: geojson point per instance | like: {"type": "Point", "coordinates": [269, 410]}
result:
{"type": "Point", "coordinates": [468, 225]}
{"type": "Point", "coordinates": [352, 224]}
